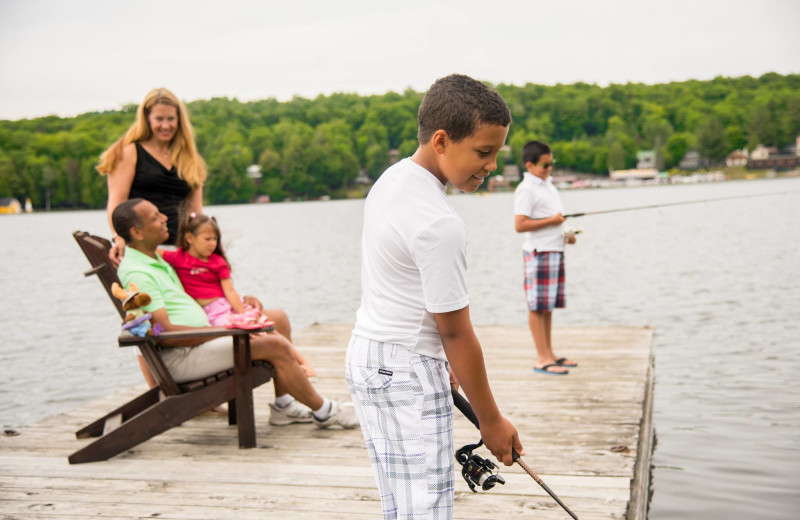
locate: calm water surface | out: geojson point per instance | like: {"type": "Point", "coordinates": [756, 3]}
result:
{"type": "Point", "coordinates": [719, 282]}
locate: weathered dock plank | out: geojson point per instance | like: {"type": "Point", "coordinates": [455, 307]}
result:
{"type": "Point", "coordinates": [568, 425]}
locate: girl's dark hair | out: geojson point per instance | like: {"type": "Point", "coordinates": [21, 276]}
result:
{"type": "Point", "coordinates": [190, 223]}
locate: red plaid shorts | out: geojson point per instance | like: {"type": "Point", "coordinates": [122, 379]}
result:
{"type": "Point", "coordinates": [544, 280]}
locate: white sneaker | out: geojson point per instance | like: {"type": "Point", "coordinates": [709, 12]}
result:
{"type": "Point", "coordinates": [294, 412]}
{"type": "Point", "coordinates": [339, 416]}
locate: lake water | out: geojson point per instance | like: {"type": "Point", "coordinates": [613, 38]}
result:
{"type": "Point", "coordinates": [719, 282]}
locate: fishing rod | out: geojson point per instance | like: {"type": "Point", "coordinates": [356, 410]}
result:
{"type": "Point", "coordinates": [463, 405]}
{"type": "Point", "coordinates": [573, 215]}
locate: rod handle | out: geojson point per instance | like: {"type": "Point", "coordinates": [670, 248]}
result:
{"type": "Point", "coordinates": [464, 407]}
{"type": "Point", "coordinates": [514, 455]}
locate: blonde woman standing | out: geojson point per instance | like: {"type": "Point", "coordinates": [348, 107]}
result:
{"type": "Point", "coordinates": [156, 160]}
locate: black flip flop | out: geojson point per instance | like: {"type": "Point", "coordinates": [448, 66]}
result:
{"type": "Point", "coordinates": [544, 370]}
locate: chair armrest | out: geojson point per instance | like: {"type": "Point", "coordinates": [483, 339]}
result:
{"type": "Point", "coordinates": [129, 340]}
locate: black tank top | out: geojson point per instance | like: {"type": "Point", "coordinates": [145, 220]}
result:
{"type": "Point", "coordinates": [160, 186]}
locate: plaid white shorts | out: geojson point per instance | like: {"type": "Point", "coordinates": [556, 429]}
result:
{"type": "Point", "coordinates": [405, 409]}
{"type": "Point", "coordinates": [544, 280]}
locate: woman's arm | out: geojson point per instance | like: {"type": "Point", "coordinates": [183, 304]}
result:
{"type": "Point", "coordinates": [194, 201]}
{"type": "Point", "coordinates": [120, 181]}
{"type": "Point", "coordinates": [231, 295]}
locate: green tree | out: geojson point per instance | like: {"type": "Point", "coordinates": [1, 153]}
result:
{"type": "Point", "coordinates": [260, 139]}
{"type": "Point", "coordinates": [311, 147]}
{"type": "Point", "coordinates": [227, 179]}
{"type": "Point", "coordinates": [272, 181]}
{"type": "Point", "coordinates": [677, 146]}
{"type": "Point", "coordinates": [616, 156]}
{"type": "Point", "coordinates": [736, 137]}
{"type": "Point", "coordinates": [407, 148]}
{"type": "Point", "coordinates": [711, 140]}
{"type": "Point", "coordinates": [296, 162]}
{"type": "Point", "coordinates": [335, 164]}
{"type": "Point", "coordinates": [10, 181]}
{"type": "Point", "coordinates": [372, 145]}
{"type": "Point", "coordinates": [620, 145]}
{"type": "Point", "coordinates": [657, 131]}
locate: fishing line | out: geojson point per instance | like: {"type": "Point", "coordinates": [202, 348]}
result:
{"type": "Point", "coordinates": [635, 208]}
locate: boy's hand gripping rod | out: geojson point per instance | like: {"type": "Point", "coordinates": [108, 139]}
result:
{"type": "Point", "coordinates": [463, 405]}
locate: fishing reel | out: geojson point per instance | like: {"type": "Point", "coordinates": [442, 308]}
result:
{"type": "Point", "coordinates": [476, 470]}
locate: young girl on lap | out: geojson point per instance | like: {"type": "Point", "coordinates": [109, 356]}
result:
{"type": "Point", "coordinates": [205, 274]}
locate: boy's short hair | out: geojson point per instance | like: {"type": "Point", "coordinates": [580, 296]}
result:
{"type": "Point", "coordinates": [457, 104]}
{"type": "Point", "coordinates": [533, 150]}
{"type": "Point", "coordinates": [124, 217]}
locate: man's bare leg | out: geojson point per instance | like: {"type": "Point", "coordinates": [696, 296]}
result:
{"type": "Point", "coordinates": [281, 320]}
{"type": "Point", "coordinates": [284, 327]}
{"type": "Point", "coordinates": [289, 376]}
{"type": "Point", "coordinates": [148, 376]}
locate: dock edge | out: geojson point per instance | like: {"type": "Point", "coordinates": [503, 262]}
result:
{"type": "Point", "coordinates": [640, 484]}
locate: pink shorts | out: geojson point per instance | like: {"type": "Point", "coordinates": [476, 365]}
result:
{"type": "Point", "coordinates": [218, 311]}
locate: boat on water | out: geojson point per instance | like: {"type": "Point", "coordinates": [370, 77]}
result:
{"type": "Point", "coordinates": [10, 206]}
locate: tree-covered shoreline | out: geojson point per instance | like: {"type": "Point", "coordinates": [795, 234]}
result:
{"type": "Point", "coordinates": [308, 148]}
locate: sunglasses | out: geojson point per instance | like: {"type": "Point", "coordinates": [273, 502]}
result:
{"type": "Point", "coordinates": [548, 165]}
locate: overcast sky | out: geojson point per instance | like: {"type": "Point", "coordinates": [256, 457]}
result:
{"type": "Point", "coordinates": [69, 57]}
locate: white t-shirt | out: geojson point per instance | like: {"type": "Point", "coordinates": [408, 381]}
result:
{"type": "Point", "coordinates": [413, 260]}
{"type": "Point", "coordinates": [536, 198]}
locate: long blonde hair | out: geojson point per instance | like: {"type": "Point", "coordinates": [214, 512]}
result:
{"type": "Point", "coordinates": [183, 151]}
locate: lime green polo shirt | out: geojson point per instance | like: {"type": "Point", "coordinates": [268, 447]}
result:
{"type": "Point", "coordinates": [157, 278]}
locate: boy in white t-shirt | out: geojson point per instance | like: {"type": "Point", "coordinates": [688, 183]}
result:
{"type": "Point", "coordinates": [413, 330]}
{"type": "Point", "coordinates": [538, 213]}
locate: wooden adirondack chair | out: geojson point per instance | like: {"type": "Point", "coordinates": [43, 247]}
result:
{"type": "Point", "coordinates": [169, 404]}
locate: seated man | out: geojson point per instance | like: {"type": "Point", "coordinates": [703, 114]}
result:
{"type": "Point", "coordinates": [144, 228]}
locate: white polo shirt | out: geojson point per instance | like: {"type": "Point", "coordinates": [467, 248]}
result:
{"type": "Point", "coordinates": [413, 260]}
{"type": "Point", "coordinates": [536, 198]}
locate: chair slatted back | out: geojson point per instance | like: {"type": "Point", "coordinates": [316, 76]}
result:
{"type": "Point", "coordinates": [96, 250]}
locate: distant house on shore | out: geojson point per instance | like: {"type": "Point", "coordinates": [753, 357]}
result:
{"type": "Point", "coordinates": [498, 183]}
{"type": "Point", "coordinates": [511, 172]}
{"type": "Point", "coordinates": [638, 174]}
{"type": "Point", "coordinates": [764, 157]}
{"type": "Point", "coordinates": [762, 152]}
{"type": "Point", "coordinates": [571, 180]}
{"type": "Point", "coordinates": [775, 162]}
{"type": "Point", "coordinates": [10, 206]}
{"type": "Point", "coordinates": [692, 160]}
{"type": "Point", "coordinates": [645, 159]}
{"type": "Point", "coordinates": [737, 158]}
{"type": "Point", "coordinates": [362, 178]}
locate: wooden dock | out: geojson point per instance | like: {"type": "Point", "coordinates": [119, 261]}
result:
{"type": "Point", "coordinates": [587, 435]}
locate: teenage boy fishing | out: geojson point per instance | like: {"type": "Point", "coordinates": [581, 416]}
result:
{"type": "Point", "coordinates": [538, 215]}
{"type": "Point", "coordinates": [413, 330]}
